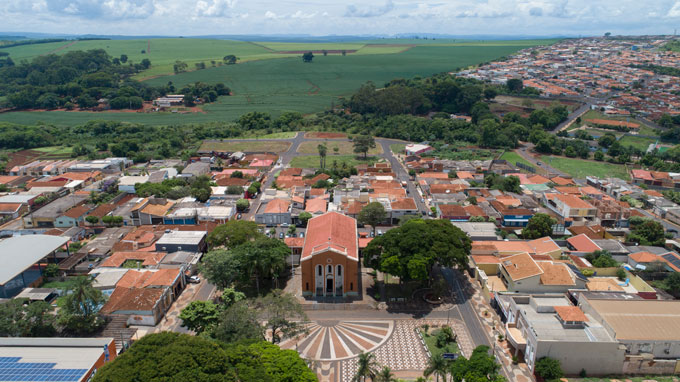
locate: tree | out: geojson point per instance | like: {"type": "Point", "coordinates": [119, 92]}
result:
{"type": "Point", "coordinates": [234, 190]}
{"type": "Point", "coordinates": [363, 143]}
{"type": "Point", "coordinates": [672, 284]}
{"type": "Point", "coordinates": [366, 367]}
{"type": "Point", "coordinates": [540, 225]}
{"type": "Point", "coordinates": [79, 309]}
{"type": "Point", "coordinates": [236, 174]}
{"type": "Point", "coordinates": [282, 314]}
{"type": "Point", "coordinates": [200, 316]}
{"type": "Point", "coordinates": [51, 270]}
{"type": "Point", "coordinates": [602, 259]}
{"type": "Point", "coordinates": [238, 323]}
{"type": "Point", "coordinates": [598, 156]}
{"type": "Point", "coordinates": [261, 259]}
{"type": "Point", "coordinates": [92, 219]}
{"type": "Point", "coordinates": [515, 85]}
{"type": "Point", "coordinates": [242, 205]}
{"type": "Point", "coordinates": [146, 64]}
{"type": "Point", "coordinates": [230, 59]}
{"type": "Point", "coordinates": [123, 58]}
{"type": "Point", "coordinates": [372, 214]}
{"type": "Point", "coordinates": [437, 366]}
{"type": "Point", "coordinates": [220, 267]}
{"type": "Point", "coordinates": [304, 217]}
{"type": "Point", "coordinates": [385, 375]}
{"type": "Point", "coordinates": [322, 155]}
{"type": "Point", "coordinates": [307, 57]}
{"type": "Point", "coordinates": [233, 233]}
{"type": "Point", "coordinates": [18, 318]}
{"type": "Point", "coordinates": [650, 232]}
{"type": "Point", "coordinates": [180, 66]}
{"type": "Point", "coordinates": [548, 369]}
{"type": "Point", "coordinates": [411, 250]}
{"type": "Point", "coordinates": [606, 140]}
{"type": "Point", "coordinates": [490, 93]}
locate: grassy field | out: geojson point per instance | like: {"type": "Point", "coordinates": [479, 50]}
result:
{"type": "Point", "coordinates": [344, 148]}
{"type": "Point", "coordinates": [431, 343]}
{"type": "Point", "coordinates": [579, 168]}
{"type": "Point", "coordinates": [245, 146]}
{"type": "Point", "coordinates": [637, 142]}
{"type": "Point", "coordinates": [398, 148]}
{"type": "Point", "coordinates": [312, 161]}
{"type": "Point", "coordinates": [265, 84]}
{"type": "Point", "coordinates": [279, 135]}
{"type": "Point", "coordinates": [512, 157]}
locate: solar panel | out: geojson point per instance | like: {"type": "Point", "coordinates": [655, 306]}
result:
{"type": "Point", "coordinates": [672, 259]}
{"type": "Point", "coordinates": [13, 370]}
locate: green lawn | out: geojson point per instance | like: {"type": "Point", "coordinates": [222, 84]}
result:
{"type": "Point", "coordinates": [312, 161]}
{"type": "Point", "coordinates": [512, 157]}
{"type": "Point", "coordinates": [264, 84]}
{"type": "Point", "coordinates": [398, 148]}
{"type": "Point", "coordinates": [246, 146]}
{"type": "Point", "coordinates": [279, 135]}
{"type": "Point", "coordinates": [626, 378]}
{"type": "Point", "coordinates": [637, 142]}
{"type": "Point", "coordinates": [646, 130]}
{"type": "Point", "coordinates": [431, 343]}
{"type": "Point", "coordinates": [63, 285]}
{"type": "Point", "coordinates": [579, 168]}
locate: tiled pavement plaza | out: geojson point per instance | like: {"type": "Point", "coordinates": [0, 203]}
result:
{"type": "Point", "coordinates": [334, 345]}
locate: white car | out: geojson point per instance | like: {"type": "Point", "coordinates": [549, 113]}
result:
{"type": "Point", "coordinates": [194, 279]}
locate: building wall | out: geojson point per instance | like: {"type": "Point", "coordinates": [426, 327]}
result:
{"type": "Point", "coordinates": [65, 222]}
{"type": "Point", "coordinates": [101, 361]}
{"type": "Point", "coordinates": [350, 272]}
{"type": "Point", "coordinates": [597, 358]}
{"type": "Point", "coordinates": [273, 219]}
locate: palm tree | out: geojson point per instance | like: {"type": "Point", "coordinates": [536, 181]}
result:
{"type": "Point", "coordinates": [322, 153]}
{"type": "Point", "coordinates": [367, 367]}
{"type": "Point", "coordinates": [385, 375]}
{"type": "Point", "coordinates": [437, 366]}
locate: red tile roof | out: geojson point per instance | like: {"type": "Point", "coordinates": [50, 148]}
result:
{"type": "Point", "coordinates": [132, 299]}
{"type": "Point", "coordinates": [331, 231]}
{"type": "Point", "coordinates": [147, 258]}
{"type": "Point", "coordinates": [582, 243]}
{"type": "Point", "coordinates": [77, 211]}
{"type": "Point", "coordinates": [317, 205]}
{"type": "Point", "coordinates": [277, 206]}
{"type": "Point", "coordinates": [571, 313]}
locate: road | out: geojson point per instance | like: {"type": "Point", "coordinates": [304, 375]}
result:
{"type": "Point", "coordinates": [400, 172]}
{"type": "Point", "coordinates": [466, 310]}
{"type": "Point", "coordinates": [524, 153]}
{"type": "Point", "coordinates": [573, 116]}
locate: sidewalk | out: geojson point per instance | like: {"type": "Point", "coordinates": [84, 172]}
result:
{"type": "Point", "coordinates": [519, 372]}
{"type": "Point", "coordinates": [171, 320]}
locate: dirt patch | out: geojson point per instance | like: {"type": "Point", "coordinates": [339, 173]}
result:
{"type": "Point", "coordinates": [323, 135]}
{"type": "Point", "coordinates": [254, 146]}
{"type": "Point", "coordinates": [60, 48]}
{"type": "Point", "coordinates": [330, 51]}
{"type": "Point", "coordinates": [23, 157]}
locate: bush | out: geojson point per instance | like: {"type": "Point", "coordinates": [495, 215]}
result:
{"type": "Point", "coordinates": [51, 270]}
{"type": "Point", "coordinates": [588, 272]}
{"type": "Point", "coordinates": [621, 274]}
{"type": "Point", "coordinates": [548, 369]}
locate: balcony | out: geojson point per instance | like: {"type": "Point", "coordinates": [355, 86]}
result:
{"type": "Point", "coordinates": [515, 336]}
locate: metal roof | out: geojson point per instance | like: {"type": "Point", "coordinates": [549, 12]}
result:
{"type": "Point", "coordinates": [19, 253]}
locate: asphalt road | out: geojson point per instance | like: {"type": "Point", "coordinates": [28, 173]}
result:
{"type": "Point", "coordinates": [524, 153]}
{"type": "Point", "coordinates": [465, 308]}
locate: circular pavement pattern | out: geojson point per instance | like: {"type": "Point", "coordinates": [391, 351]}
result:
{"type": "Point", "coordinates": [331, 340]}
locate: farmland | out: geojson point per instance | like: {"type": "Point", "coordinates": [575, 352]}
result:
{"type": "Point", "coordinates": [259, 82]}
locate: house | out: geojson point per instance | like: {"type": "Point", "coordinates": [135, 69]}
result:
{"type": "Point", "coordinates": [73, 217]}
{"type": "Point", "coordinates": [401, 207]}
{"type": "Point", "coordinates": [521, 273]}
{"type": "Point", "coordinates": [569, 206]}
{"type": "Point", "coordinates": [276, 211]}
{"type": "Point", "coordinates": [150, 211]}
{"type": "Point", "coordinates": [669, 262]}
{"type": "Point", "coordinates": [195, 169]}
{"type": "Point", "coordinates": [417, 149]}
{"type": "Point", "coordinates": [46, 216]}
{"type": "Point", "coordinates": [478, 230]}
{"type": "Point", "coordinates": [10, 211]}
{"type": "Point", "coordinates": [316, 206]}
{"type": "Point", "coordinates": [512, 217]}
{"type": "Point", "coordinates": [544, 246]}
{"type": "Point", "coordinates": [143, 306]}
{"type": "Point", "coordinates": [175, 240]}
{"type": "Point", "coordinates": [54, 359]}
{"type": "Point", "coordinates": [582, 244]}
{"type": "Point", "coordinates": [133, 259]}
{"type": "Point", "coordinates": [549, 325]}
{"type": "Point", "coordinates": [330, 257]}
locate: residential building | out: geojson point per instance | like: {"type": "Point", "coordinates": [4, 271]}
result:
{"type": "Point", "coordinates": [570, 207]}
{"type": "Point", "coordinates": [521, 273]}
{"type": "Point", "coordinates": [73, 217]}
{"type": "Point", "coordinates": [127, 183]}
{"type": "Point", "coordinates": [275, 212]}
{"type": "Point", "coordinates": [175, 240]}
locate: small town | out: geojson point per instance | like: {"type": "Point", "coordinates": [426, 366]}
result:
{"type": "Point", "coordinates": [325, 191]}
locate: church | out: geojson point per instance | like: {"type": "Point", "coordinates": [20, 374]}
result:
{"type": "Point", "coordinates": [330, 257]}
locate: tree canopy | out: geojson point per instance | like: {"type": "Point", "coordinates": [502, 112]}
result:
{"type": "Point", "coordinates": [372, 214]}
{"type": "Point", "coordinates": [178, 357]}
{"type": "Point", "coordinates": [540, 225]}
{"type": "Point", "coordinates": [363, 143]}
{"type": "Point", "coordinates": [648, 232]}
{"type": "Point", "coordinates": [411, 250]}
{"type": "Point", "coordinates": [233, 233]}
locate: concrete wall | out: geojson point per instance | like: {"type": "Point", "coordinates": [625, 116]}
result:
{"type": "Point", "coordinates": [645, 366]}
{"type": "Point", "coordinates": [597, 358]}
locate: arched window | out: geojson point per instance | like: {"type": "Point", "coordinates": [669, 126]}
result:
{"type": "Point", "coordinates": [306, 286]}
{"type": "Point", "coordinates": [351, 286]}
{"type": "Point", "coordinates": [319, 270]}
{"type": "Point", "coordinates": [339, 270]}
{"type": "Point", "coordinates": [329, 270]}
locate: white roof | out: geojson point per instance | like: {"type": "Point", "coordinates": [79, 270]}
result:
{"type": "Point", "coordinates": [19, 253]}
{"type": "Point", "coordinates": [18, 198]}
{"type": "Point", "coordinates": [132, 180]}
{"type": "Point", "coordinates": [181, 237]}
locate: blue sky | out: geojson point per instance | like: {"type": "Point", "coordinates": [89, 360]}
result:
{"type": "Point", "coordinates": [350, 17]}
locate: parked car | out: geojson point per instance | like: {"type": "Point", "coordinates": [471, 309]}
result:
{"type": "Point", "coordinates": [238, 216]}
{"type": "Point", "coordinates": [380, 233]}
{"type": "Point", "coordinates": [302, 234]}
{"type": "Point", "coordinates": [284, 224]}
{"type": "Point", "coordinates": [280, 235]}
{"type": "Point", "coordinates": [194, 279]}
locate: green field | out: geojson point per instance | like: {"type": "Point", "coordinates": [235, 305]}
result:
{"type": "Point", "coordinates": [637, 142]}
{"type": "Point", "coordinates": [512, 158]}
{"type": "Point", "coordinates": [279, 135]}
{"type": "Point", "coordinates": [267, 85]}
{"type": "Point", "coordinates": [398, 148]}
{"type": "Point", "coordinates": [312, 161]}
{"type": "Point", "coordinates": [579, 168]}
{"type": "Point", "coordinates": [246, 146]}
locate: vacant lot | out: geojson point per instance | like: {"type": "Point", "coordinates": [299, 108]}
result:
{"type": "Point", "coordinates": [246, 146]}
{"type": "Point", "coordinates": [324, 135]}
{"type": "Point", "coordinates": [344, 148]}
{"type": "Point", "coordinates": [579, 168]}
{"type": "Point", "coordinates": [312, 161]}
{"type": "Point", "coordinates": [398, 148]}
{"type": "Point", "coordinates": [536, 103]}
{"type": "Point", "coordinates": [637, 142]}
{"type": "Point", "coordinates": [512, 158]}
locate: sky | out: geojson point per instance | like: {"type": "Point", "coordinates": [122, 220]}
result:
{"type": "Point", "coordinates": [333, 17]}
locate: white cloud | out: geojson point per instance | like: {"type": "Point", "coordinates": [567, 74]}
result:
{"type": "Point", "coordinates": [214, 8]}
{"type": "Point", "coordinates": [675, 10]}
{"type": "Point", "coordinates": [369, 11]}
{"type": "Point", "coordinates": [301, 15]}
